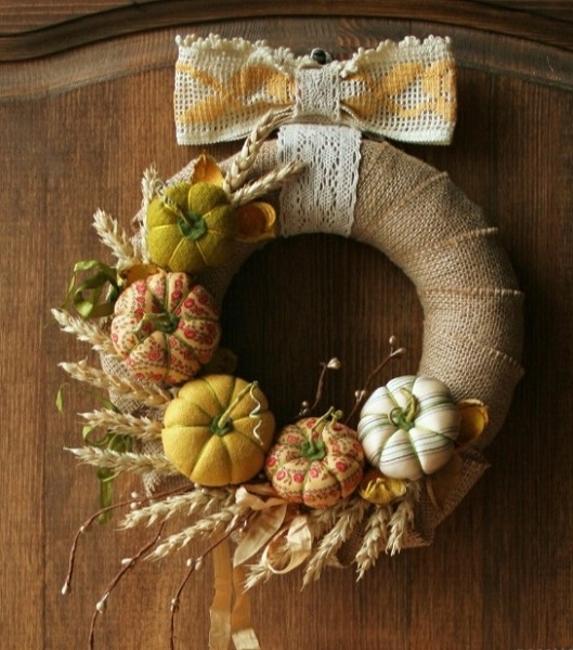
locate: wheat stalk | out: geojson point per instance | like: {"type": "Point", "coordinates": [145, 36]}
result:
{"type": "Point", "coordinates": [375, 539]}
{"type": "Point", "coordinates": [321, 521]}
{"type": "Point", "coordinates": [403, 516]}
{"type": "Point", "coordinates": [260, 572]}
{"type": "Point", "coordinates": [335, 538]}
{"type": "Point", "coordinates": [225, 518]}
{"type": "Point", "coordinates": [244, 160]}
{"type": "Point", "coordinates": [142, 428]}
{"type": "Point", "coordinates": [199, 500]}
{"type": "Point", "coordinates": [115, 238]}
{"type": "Point", "coordinates": [267, 183]}
{"type": "Point", "coordinates": [124, 461]}
{"type": "Point", "coordinates": [151, 184]}
{"type": "Point", "coordinates": [149, 394]}
{"type": "Point", "coordinates": [85, 331]}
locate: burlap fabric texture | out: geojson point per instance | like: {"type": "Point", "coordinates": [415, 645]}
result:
{"type": "Point", "coordinates": [473, 308]}
{"type": "Point", "coordinates": [472, 305]}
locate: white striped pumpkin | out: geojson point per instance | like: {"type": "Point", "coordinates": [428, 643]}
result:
{"type": "Point", "coordinates": [409, 426]}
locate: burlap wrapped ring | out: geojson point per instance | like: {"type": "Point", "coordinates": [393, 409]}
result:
{"type": "Point", "coordinates": [424, 223]}
{"type": "Point", "coordinates": [473, 316]}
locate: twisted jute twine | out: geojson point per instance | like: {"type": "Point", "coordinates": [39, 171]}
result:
{"type": "Point", "coordinates": [472, 306]}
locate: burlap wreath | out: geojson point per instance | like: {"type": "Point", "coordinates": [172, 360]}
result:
{"type": "Point", "coordinates": [473, 319]}
{"type": "Point", "coordinates": [380, 196]}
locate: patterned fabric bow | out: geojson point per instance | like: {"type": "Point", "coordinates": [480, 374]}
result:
{"type": "Point", "coordinates": [404, 91]}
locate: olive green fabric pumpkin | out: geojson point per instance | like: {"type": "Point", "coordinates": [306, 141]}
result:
{"type": "Point", "coordinates": [190, 227]}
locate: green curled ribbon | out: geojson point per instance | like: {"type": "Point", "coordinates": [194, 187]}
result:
{"type": "Point", "coordinates": [94, 296]}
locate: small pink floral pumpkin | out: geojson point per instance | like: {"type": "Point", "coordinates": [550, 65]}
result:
{"type": "Point", "coordinates": [166, 327]}
{"type": "Point", "coordinates": [316, 462]}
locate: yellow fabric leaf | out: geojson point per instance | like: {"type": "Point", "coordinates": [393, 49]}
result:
{"type": "Point", "coordinates": [474, 420]}
{"type": "Point", "coordinates": [138, 272]}
{"type": "Point", "coordinates": [380, 489]}
{"type": "Point", "coordinates": [207, 170]}
{"type": "Point", "coordinates": [256, 222]}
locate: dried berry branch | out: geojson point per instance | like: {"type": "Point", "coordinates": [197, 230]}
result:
{"type": "Point", "coordinates": [127, 564]}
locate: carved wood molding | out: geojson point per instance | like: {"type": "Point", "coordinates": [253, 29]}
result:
{"type": "Point", "coordinates": [121, 57]}
{"type": "Point", "coordinates": [137, 18]}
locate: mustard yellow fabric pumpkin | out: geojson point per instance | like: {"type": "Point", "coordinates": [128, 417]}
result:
{"type": "Point", "coordinates": [218, 430]}
{"type": "Point", "coordinates": [190, 227]}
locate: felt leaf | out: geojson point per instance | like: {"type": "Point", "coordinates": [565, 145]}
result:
{"type": "Point", "coordinates": [262, 528]}
{"type": "Point", "coordinates": [105, 477]}
{"type": "Point", "coordinates": [474, 420]}
{"type": "Point", "coordinates": [60, 399]}
{"type": "Point", "coordinates": [87, 429]}
{"type": "Point", "coordinates": [100, 299]}
{"type": "Point", "coordinates": [442, 483]}
{"type": "Point", "coordinates": [138, 272]}
{"type": "Point", "coordinates": [207, 170]}
{"type": "Point", "coordinates": [256, 222]}
{"type": "Point", "coordinates": [381, 490]}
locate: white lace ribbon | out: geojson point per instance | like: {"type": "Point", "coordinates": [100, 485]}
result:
{"type": "Point", "coordinates": [322, 198]}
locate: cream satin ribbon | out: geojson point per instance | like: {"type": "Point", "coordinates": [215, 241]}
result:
{"type": "Point", "coordinates": [273, 526]}
{"type": "Point", "coordinates": [405, 91]}
{"type": "Point", "coordinates": [230, 622]}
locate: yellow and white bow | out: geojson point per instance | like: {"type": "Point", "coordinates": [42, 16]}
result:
{"type": "Point", "coordinates": [404, 91]}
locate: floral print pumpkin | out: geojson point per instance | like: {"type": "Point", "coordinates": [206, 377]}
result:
{"type": "Point", "coordinates": [408, 427]}
{"type": "Point", "coordinates": [165, 327]}
{"type": "Point", "coordinates": [315, 462]}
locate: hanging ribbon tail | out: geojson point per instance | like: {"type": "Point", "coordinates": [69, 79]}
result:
{"type": "Point", "coordinates": [243, 634]}
{"type": "Point", "coordinates": [230, 622]}
{"type": "Point", "coordinates": [404, 91]}
{"type": "Point", "coordinates": [220, 612]}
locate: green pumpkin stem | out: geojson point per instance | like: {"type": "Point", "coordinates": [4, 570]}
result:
{"type": "Point", "coordinates": [164, 321]}
{"type": "Point", "coordinates": [191, 225]}
{"type": "Point", "coordinates": [404, 418]}
{"type": "Point", "coordinates": [223, 424]}
{"type": "Point", "coordinates": [314, 448]}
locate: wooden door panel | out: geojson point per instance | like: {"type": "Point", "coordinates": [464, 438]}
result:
{"type": "Point", "coordinates": [78, 129]}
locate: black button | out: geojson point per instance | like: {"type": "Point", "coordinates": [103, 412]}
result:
{"type": "Point", "coordinates": [320, 56]}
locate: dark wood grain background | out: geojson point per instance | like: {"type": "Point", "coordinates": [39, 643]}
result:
{"type": "Point", "coordinates": [78, 128]}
